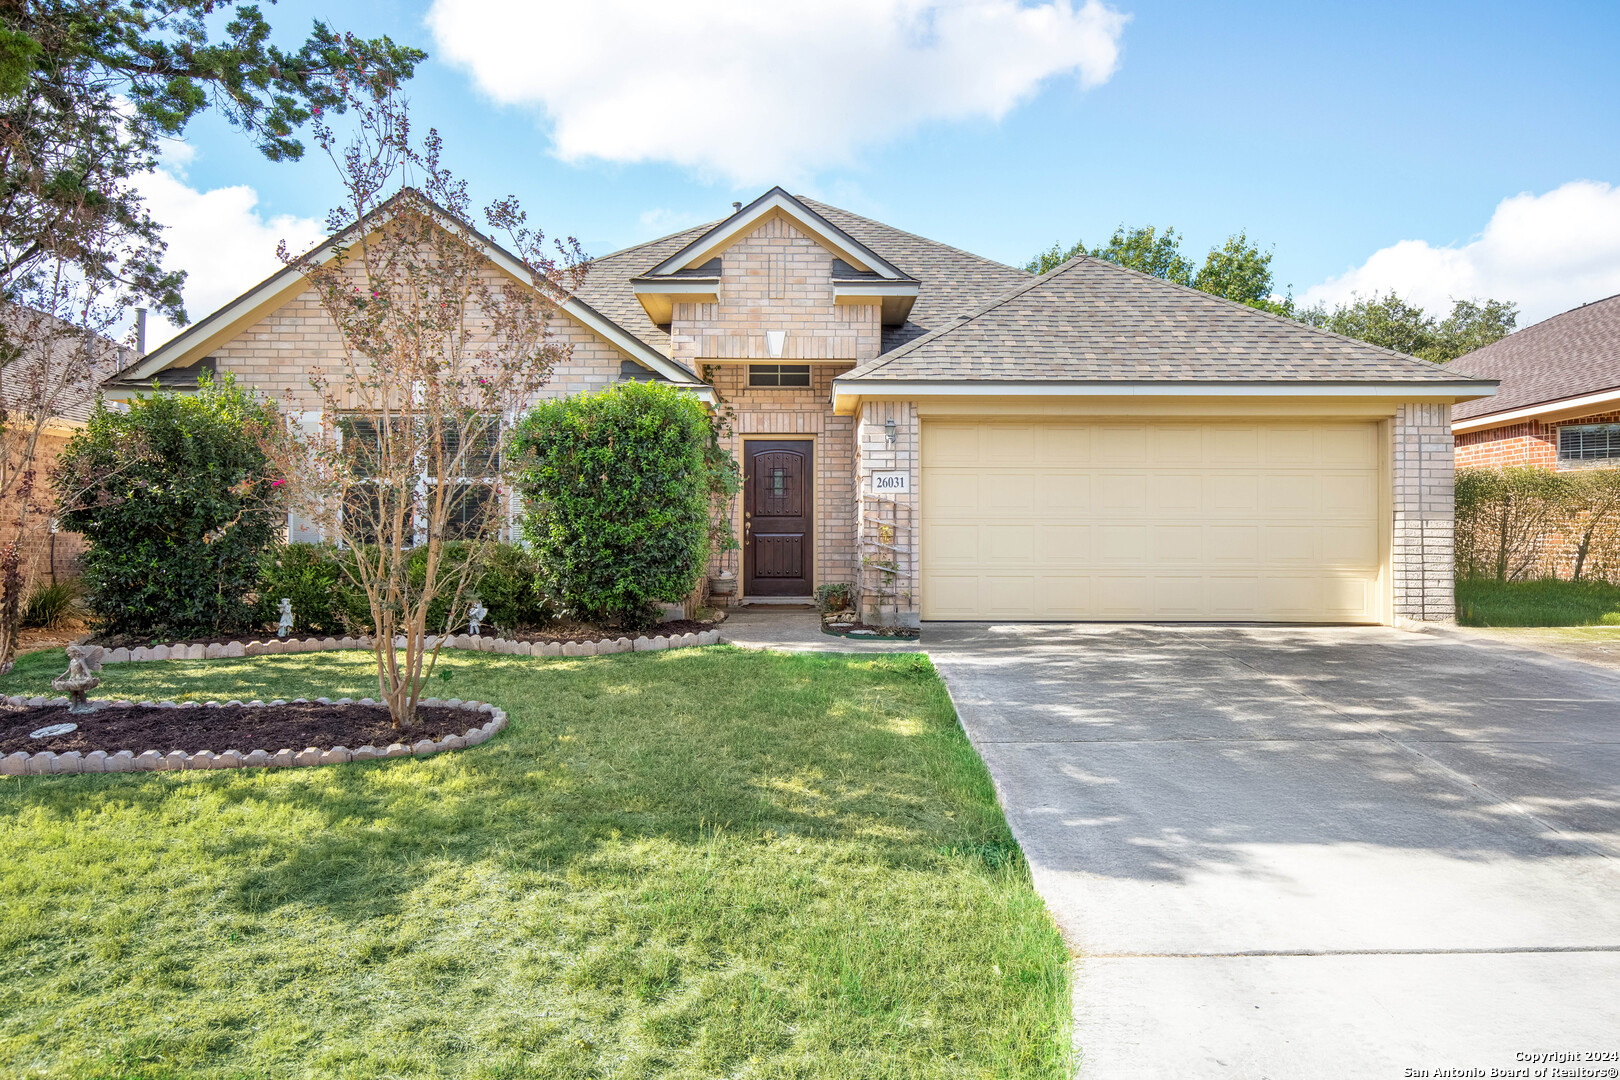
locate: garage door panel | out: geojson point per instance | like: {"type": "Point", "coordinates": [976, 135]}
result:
{"type": "Point", "coordinates": [1120, 493]}
{"type": "Point", "coordinates": [950, 494]}
{"type": "Point", "coordinates": [1160, 520]}
{"type": "Point", "coordinates": [1063, 545]}
{"type": "Point", "coordinates": [953, 596]}
{"type": "Point", "coordinates": [1006, 444]}
{"type": "Point", "coordinates": [1178, 545]}
{"type": "Point", "coordinates": [1175, 492]}
{"type": "Point", "coordinates": [1064, 445]}
{"type": "Point", "coordinates": [1121, 543]}
{"type": "Point", "coordinates": [1234, 444]}
{"type": "Point", "coordinates": [1002, 492]}
{"type": "Point", "coordinates": [1009, 596]}
{"type": "Point", "coordinates": [1229, 544]}
{"type": "Point", "coordinates": [1061, 594]}
{"type": "Point", "coordinates": [1353, 495]}
{"type": "Point", "coordinates": [1177, 444]}
{"type": "Point", "coordinates": [1009, 544]}
{"type": "Point", "coordinates": [1291, 494]}
{"type": "Point", "coordinates": [952, 545]}
{"type": "Point", "coordinates": [1117, 445]}
{"type": "Point", "coordinates": [1178, 596]}
{"type": "Point", "coordinates": [944, 445]}
{"type": "Point", "coordinates": [1124, 596]}
{"type": "Point", "coordinates": [1233, 495]}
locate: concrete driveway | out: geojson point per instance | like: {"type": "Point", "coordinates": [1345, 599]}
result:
{"type": "Point", "coordinates": [1310, 852]}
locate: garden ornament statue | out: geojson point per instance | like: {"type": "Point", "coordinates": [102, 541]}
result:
{"type": "Point", "coordinates": [78, 679]}
{"type": "Point", "coordinates": [477, 615]}
{"type": "Point", "coordinates": [286, 622]}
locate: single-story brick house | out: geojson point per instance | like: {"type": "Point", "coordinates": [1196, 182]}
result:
{"type": "Point", "coordinates": [1558, 405]}
{"type": "Point", "coordinates": [963, 440]}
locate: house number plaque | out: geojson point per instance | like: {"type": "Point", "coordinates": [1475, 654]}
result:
{"type": "Point", "coordinates": [891, 483]}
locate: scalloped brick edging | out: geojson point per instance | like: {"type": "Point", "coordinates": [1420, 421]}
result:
{"type": "Point", "coordinates": [503, 646]}
{"type": "Point", "coordinates": [49, 763]}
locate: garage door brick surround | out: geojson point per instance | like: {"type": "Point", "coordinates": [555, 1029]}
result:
{"type": "Point", "coordinates": [1419, 505]}
{"type": "Point", "coordinates": [1422, 546]}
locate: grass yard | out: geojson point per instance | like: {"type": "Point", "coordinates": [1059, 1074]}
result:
{"type": "Point", "coordinates": [1538, 603]}
{"type": "Point", "coordinates": [700, 863]}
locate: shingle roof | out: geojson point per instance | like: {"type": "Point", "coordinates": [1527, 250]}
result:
{"type": "Point", "coordinates": [1090, 320]}
{"type": "Point", "coordinates": [1565, 356]}
{"type": "Point", "coordinates": [950, 281]}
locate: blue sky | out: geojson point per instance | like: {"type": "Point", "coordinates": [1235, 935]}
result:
{"type": "Point", "coordinates": [1373, 144]}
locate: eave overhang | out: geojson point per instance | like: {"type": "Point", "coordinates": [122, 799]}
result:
{"type": "Point", "coordinates": [1562, 409]}
{"type": "Point", "coordinates": [659, 296]}
{"type": "Point", "coordinates": [895, 298]}
{"type": "Point", "coordinates": [849, 393]}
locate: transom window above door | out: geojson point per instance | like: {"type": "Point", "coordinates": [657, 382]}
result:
{"type": "Point", "coordinates": [778, 374]}
{"type": "Point", "coordinates": [1589, 442]}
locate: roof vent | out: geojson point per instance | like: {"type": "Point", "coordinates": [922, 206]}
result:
{"type": "Point", "coordinates": [736, 206]}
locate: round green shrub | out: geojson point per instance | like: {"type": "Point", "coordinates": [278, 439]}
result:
{"type": "Point", "coordinates": [177, 503]}
{"type": "Point", "coordinates": [324, 601]}
{"type": "Point", "coordinates": [616, 492]}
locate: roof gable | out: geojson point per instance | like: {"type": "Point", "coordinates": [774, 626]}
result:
{"type": "Point", "coordinates": [221, 325]}
{"type": "Point", "coordinates": [747, 219]}
{"type": "Point", "coordinates": [1573, 354]}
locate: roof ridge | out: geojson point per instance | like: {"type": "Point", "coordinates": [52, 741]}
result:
{"type": "Point", "coordinates": [915, 236]}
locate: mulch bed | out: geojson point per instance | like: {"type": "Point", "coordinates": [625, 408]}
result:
{"type": "Point", "coordinates": [292, 726]}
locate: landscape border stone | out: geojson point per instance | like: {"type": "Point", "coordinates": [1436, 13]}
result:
{"type": "Point", "coordinates": [504, 646]}
{"type": "Point", "coordinates": [47, 763]}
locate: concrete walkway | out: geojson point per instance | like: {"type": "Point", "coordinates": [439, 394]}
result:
{"type": "Point", "coordinates": [1308, 852]}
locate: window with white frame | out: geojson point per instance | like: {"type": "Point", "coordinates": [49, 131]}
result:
{"type": "Point", "coordinates": [473, 483]}
{"type": "Point", "coordinates": [1589, 442]}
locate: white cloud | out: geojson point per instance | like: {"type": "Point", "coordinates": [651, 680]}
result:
{"type": "Point", "coordinates": [766, 92]}
{"type": "Point", "coordinates": [1548, 253]}
{"type": "Point", "coordinates": [220, 239]}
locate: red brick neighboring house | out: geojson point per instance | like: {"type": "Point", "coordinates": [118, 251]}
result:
{"type": "Point", "coordinates": [1558, 405]}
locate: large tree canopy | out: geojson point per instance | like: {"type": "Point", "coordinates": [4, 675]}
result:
{"type": "Point", "coordinates": [1238, 270]}
{"type": "Point", "coordinates": [90, 88]}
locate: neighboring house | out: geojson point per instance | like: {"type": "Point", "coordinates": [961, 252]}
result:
{"type": "Point", "coordinates": [1559, 401]}
{"type": "Point", "coordinates": [61, 369]}
{"type": "Point", "coordinates": [965, 441]}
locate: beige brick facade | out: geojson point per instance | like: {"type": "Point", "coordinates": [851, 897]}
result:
{"type": "Point", "coordinates": [775, 278]}
{"type": "Point", "coordinates": [888, 529]}
{"type": "Point", "coordinates": [1421, 554]}
{"type": "Point", "coordinates": [277, 354]}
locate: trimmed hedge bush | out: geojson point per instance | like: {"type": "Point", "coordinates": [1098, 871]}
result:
{"type": "Point", "coordinates": [617, 494]}
{"type": "Point", "coordinates": [176, 502]}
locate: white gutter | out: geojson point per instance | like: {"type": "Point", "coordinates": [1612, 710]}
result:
{"type": "Point", "coordinates": [1550, 409]}
{"type": "Point", "coordinates": [895, 388]}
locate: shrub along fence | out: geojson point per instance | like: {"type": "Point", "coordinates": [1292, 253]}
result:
{"type": "Point", "coordinates": [1525, 524]}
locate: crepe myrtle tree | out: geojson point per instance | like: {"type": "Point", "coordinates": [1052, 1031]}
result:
{"type": "Point", "coordinates": [54, 351]}
{"type": "Point", "coordinates": [442, 335]}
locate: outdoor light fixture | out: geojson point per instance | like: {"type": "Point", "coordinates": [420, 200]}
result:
{"type": "Point", "coordinates": [774, 340]}
{"type": "Point", "coordinates": [888, 429]}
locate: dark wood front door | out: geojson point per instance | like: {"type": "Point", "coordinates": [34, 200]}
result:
{"type": "Point", "coordinates": [778, 499]}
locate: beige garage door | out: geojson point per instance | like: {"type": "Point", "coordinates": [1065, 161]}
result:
{"type": "Point", "coordinates": [1178, 521]}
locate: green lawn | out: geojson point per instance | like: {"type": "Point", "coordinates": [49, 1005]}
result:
{"type": "Point", "coordinates": [699, 863]}
{"type": "Point", "coordinates": [1538, 603]}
